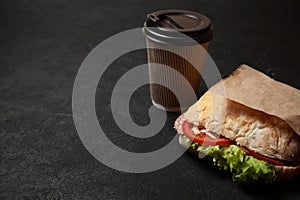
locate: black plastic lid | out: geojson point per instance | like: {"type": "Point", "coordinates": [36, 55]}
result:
{"type": "Point", "coordinates": [162, 26]}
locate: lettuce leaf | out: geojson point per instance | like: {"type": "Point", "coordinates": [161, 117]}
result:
{"type": "Point", "coordinates": [243, 167]}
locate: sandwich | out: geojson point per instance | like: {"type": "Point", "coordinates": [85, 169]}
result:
{"type": "Point", "coordinates": [247, 124]}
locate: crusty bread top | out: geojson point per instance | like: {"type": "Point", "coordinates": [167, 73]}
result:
{"type": "Point", "coordinates": [256, 90]}
{"type": "Point", "coordinates": [264, 133]}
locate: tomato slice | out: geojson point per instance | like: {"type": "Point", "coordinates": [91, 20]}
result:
{"type": "Point", "coordinates": [261, 157]}
{"type": "Point", "coordinates": [202, 138]}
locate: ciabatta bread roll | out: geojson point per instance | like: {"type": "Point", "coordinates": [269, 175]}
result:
{"type": "Point", "coordinates": [253, 112]}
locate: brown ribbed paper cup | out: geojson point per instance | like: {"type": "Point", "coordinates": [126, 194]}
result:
{"type": "Point", "coordinates": [164, 47]}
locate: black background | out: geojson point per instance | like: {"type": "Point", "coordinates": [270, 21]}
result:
{"type": "Point", "coordinates": [42, 44]}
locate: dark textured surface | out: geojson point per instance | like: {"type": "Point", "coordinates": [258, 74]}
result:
{"type": "Point", "coordinates": [42, 46]}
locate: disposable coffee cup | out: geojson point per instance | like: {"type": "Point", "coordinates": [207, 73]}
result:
{"type": "Point", "coordinates": [168, 34]}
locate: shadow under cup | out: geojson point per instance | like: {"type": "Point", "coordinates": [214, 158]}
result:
{"type": "Point", "coordinates": [169, 34]}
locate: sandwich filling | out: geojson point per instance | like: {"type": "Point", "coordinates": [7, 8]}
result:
{"type": "Point", "coordinates": [245, 166]}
